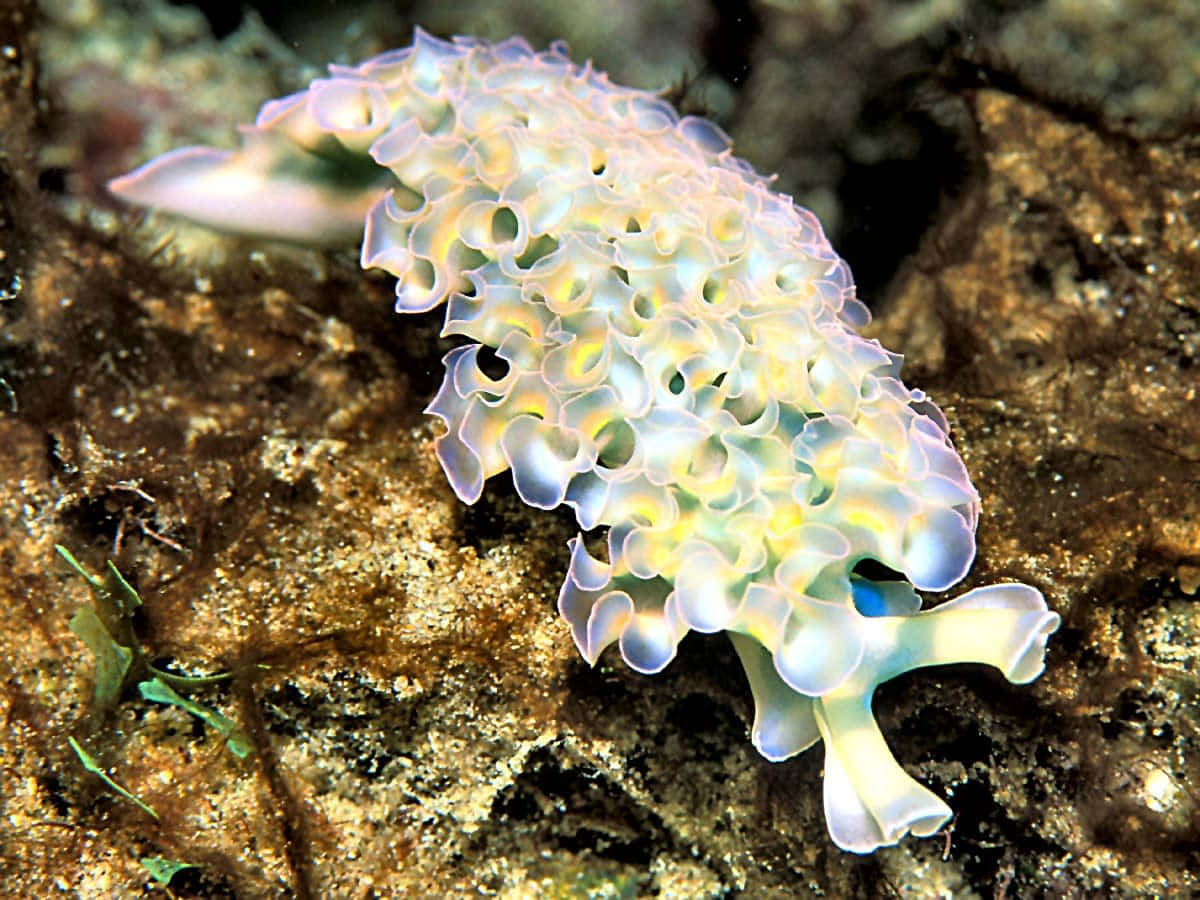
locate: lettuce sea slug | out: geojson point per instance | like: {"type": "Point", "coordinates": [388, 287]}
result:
{"type": "Point", "coordinates": [680, 366]}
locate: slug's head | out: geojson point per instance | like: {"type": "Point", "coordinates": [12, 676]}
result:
{"type": "Point", "coordinates": [302, 174]}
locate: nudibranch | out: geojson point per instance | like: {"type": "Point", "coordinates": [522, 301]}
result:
{"type": "Point", "coordinates": [680, 365]}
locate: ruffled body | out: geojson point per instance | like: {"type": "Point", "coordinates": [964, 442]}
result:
{"type": "Point", "coordinates": [657, 340]}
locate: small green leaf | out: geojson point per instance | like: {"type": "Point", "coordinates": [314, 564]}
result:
{"type": "Point", "coordinates": [187, 682]}
{"type": "Point", "coordinates": [92, 765]}
{"type": "Point", "coordinates": [127, 598]}
{"type": "Point", "coordinates": [112, 659]}
{"type": "Point", "coordinates": [162, 870]}
{"type": "Point", "coordinates": [238, 741]}
{"type": "Point", "coordinates": [96, 583]}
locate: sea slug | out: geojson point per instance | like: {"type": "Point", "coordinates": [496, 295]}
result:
{"type": "Point", "coordinates": [680, 365]}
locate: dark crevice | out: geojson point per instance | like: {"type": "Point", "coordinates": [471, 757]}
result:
{"type": "Point", "coordinates": [729, 43]}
